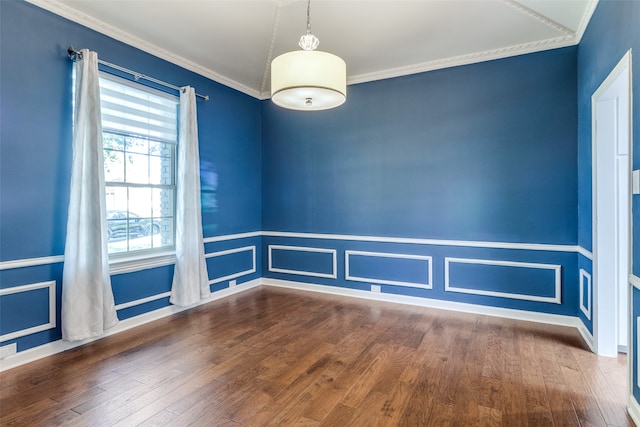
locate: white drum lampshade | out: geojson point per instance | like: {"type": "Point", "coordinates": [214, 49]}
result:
{"type": "Point", "coordinates": [308, 80]}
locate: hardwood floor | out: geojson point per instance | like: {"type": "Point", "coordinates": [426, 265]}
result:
{"type": "Point", "coordinates": [276, 357]}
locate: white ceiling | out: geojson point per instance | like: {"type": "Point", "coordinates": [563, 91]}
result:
{"type": "Point", "coordinates": [234, 41]}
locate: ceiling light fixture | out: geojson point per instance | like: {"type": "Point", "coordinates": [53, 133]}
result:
{"type": "Point", "coordinates": [308, 79]}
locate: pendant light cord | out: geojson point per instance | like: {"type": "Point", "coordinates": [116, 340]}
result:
{"type": "Point", "coordinates": [308, 16]}
{"type": "Point", "coordinates": [307, 41]}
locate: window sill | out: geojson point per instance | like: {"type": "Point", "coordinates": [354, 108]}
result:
{"type": "Point", "coordinates": [143, 262]}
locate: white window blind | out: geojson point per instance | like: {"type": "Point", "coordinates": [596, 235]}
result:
{"type": "Point", "coordinates": [130, 110]}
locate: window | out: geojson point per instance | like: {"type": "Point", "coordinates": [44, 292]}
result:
{"type": "Point", "coordinates": [139, 130]}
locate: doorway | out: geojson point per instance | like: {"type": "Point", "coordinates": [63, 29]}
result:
{"type": "Point", "coordinates": [611, 137]}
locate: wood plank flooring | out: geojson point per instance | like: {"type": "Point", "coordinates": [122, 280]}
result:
{"type": "Point", "coordinates": [277, 357]}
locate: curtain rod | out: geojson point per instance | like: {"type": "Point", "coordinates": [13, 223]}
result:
{"type": "Point", "coordinates": [73, 54]}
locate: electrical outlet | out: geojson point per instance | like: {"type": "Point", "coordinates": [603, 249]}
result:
{"type": "Point", "coordinates": [232, 283]}
{"type": "Point", "coordinates": [8, 350]}
{"type": "Point", "coordinates": [375, 288]}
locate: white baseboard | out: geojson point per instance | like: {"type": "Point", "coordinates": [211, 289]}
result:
{"type": "Point", "coordinates": [49, 349]}
{"type": "Point", "coordinates": [54, 347]}
{"type": "Point", "coordinates": [554, 319]}
{"type": "Point", "coordinates": [587, 336]}
{"type": "Point", "coordinates": [634, 410]}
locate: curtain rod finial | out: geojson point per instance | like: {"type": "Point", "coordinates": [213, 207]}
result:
{"type": "Point", "coordinates": [73, 53]}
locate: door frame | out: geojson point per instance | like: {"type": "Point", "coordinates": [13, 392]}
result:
{"type": "Point", "coordinates": [605, 307]}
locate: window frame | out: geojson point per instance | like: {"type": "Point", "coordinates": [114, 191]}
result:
{"type": "Point", "coordinates": [134, 260]}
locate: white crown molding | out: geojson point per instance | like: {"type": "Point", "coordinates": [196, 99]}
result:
{"type": "Point", "coordinates": [267, 63]}
{"type": "Point", "coordinates": [471, 58]}
{"type": "Point", "coordinates": [538, 17]}
{"type": "Point", "coordinates": [569, 39]}
{"type": "Point", "coordinates": [586, 18]}
{"type": "Point", "coordinates": [106, 29]}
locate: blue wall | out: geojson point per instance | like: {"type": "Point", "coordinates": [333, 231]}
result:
{"type": "Point", "coordinates": [612, 31]}
{"type": "Point", "coordinates": [484, 152]}
{"type": "Point", "coordinates": [35, 158]}
{"type": "Point", "coordinates": [480, 152]}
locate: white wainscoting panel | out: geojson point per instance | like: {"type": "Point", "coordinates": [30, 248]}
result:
{"type": "Point", "coordinates": [428, 283]}
{"type": "Point", "coordinates": [51, 285]}
{"type": "Point", "coordinates": [585, 287]}
{"type": "Point", "coordinates": [448, 287]}
{"type": "Point", "coordinates": [332, 275]}
{"type": "Point", "coordinates": [234, 251]}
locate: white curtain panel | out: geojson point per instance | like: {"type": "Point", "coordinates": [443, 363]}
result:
{"type": "Point", "coordinates": [88, 307]}
{"type": "Point", "coordinates": [190, 279]}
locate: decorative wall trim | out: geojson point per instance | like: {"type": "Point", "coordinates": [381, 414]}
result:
{"type": "Point", "coordinates": [226, 237]}
{"type": "Point", "coordinates": [31, 262]}
{"type": "Point", "coordinates": [585, 253]}
{"type": "Point", "coordinates": [333, 275]}
{"type": "Point", "coordinates": [51, 285]}
{"type": "Point", "coordinates": [123, 266]}
{"type": "Point", "coordinates": [434, 242]}
{"type": "Point", "coordinates": [233, 251]}
{"type": "Point", "coordinates": [211, 282]}
{"type": "Point", "coordinates": [142, 300]}
{"type": "Point", "coordinates": [634, 410]}
{"type": "Point", "coordinates": [531, 316]}
{"type": "Point", "coordinates": [95, 24]}
{"type": "Point", "coordinates": [585, 276]}
{"type": "Point", "coordinates": [556, 268]}
{"type": "Point", "coordinates": [634, 280]}
{"type": "Point", "coordinates": [428, 259]}
{"type": "Point", "coordinates": [52, 348]}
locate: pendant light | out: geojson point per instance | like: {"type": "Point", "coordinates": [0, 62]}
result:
{"type": "Point", "coordinates": [308, 79]}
